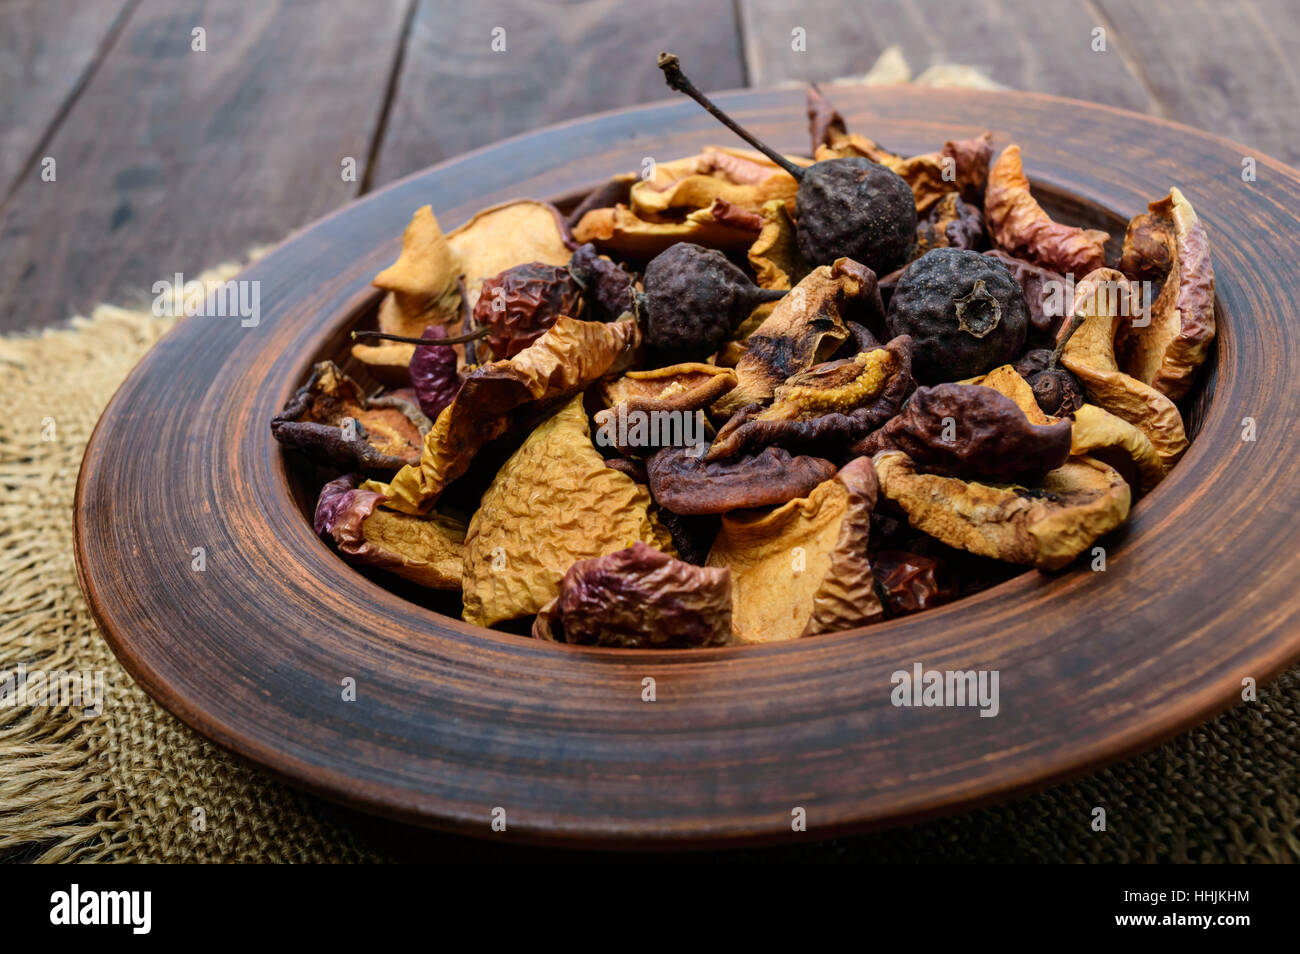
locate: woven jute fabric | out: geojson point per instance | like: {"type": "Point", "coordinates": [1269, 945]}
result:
{"type": "Point", "coordinates": [133, 784]}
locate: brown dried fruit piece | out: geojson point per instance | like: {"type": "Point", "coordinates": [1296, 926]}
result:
{"type": "Point", "coordinates": [774, 256]}
{"type": "Point", "coordinates": [1169, 245]}
{"type": "Point", "coordinates": [502, 236]}
{"type": "Point", "coordinates": [1101, 299]}
{"type": "Point", "coordinates": [621, 232]}
{"type": "Point", "coordinates": [805, 328]}
{"type": "Point", "coordinates": [802, 569]}
{"type": "Point", "coordinates": [1044, 294]}
{"type": "Point", "coordinates": [1099, 434]}
{"type": "Point", "coordinates": [568, 357]}
{"type": "Point", "coordinates": [1019, 225]}
{"type": "Point", "coordinates": [425, 550]}
{"type": "Point", "coordinates": [972, 431]}
{"type": "Point", "coordinates": [741, 178]}
{"type": "Point", "coordinates": [1046, 526]}
{"type": "Point", "coordinates": [639, 598]}
{"type": "Point", "coordinates": [691, 485]}
{"type": "Point", "coordinates": [659, 401]}
{"type": "Point", "coordinates": [828, 424]}
{"type": "Point", "coordinates": [910, 583]}
{"type": "Point", "coordinates": [384, 434]}
{"type": "Point", "coordinates": [552, 503]}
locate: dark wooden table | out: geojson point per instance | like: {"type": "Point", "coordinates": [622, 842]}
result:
{"type": "Point", "coordinates": [169, 159]}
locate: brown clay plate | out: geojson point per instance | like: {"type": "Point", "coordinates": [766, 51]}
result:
{"type": "Point", "coordinates": [450, 721]}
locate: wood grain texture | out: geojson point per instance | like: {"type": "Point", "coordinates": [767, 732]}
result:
{"type": "Point", "coordinates": [451, 721]}
{"type": "Point", "coordinates": [172, 160]}
{"type": "Point", "coordinates": [1230, 68]}
{"type": "Point", "coordinates": [1039, 45]}
{"type": "Point", "coordinates": [47, 49]}
{"type": "Point", "coordinates": [560, 60]}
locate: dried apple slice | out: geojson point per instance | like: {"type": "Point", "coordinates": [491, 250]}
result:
{"type": "Point", "coordinates": [802, 568]}
{"type": "Point", "coordinates": [1101, 300]}
{"type": "Point", "coordinates": [552, 503]}
{"type": "Point", "coordinates": [623, 233]}
{"type": "Point", "coordinates": [1169, 245]}
{"type": "Point", "coordinates": [741, 178]}
{"type": "Point", "coordinates": [1100, 434]}
{"type": "Point", "coordinates": [1045, 526]}
{"type": "Point", "coordinates": [565, 360]}
{"type": "Point", "coordinates": [1020, 226]}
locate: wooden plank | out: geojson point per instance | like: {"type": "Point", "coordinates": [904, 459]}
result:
{"type": "Point", "coordinates": [172, 160]}
{"type": "Point", "coordinates": [1227, 68]}
{"type": "Point", "coordinates": [1038, 45]}
{"type": "Point", "coordinates": [456, 92]}
{"type": "Point", "coordinates": [47, 48]}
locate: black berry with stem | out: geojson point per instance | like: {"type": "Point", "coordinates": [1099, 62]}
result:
{"type": "Point", "coordinates": [848, 208]}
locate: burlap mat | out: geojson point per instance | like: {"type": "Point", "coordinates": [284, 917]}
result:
{"type": "Point", "coordinates": [123, 785]}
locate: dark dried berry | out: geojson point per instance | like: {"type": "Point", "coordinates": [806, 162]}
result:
{"type": "Point", "coordinates": [694, 299]}
{"type": "Point", "coordinates": [964, 311]}
{"type": "Point", "coordinates": [909, 583]}
{"type": "Point", "coordinates": [433, 372]}
{"type": "Point", "coordinates": [606, 287]}
{"type": "Point", "coordinates": [520, 304]}
{"type": "Point", "coordinates": [1057, 391]}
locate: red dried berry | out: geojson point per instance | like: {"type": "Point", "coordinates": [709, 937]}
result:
{"type": "Point", "coordinates": [520, 304]}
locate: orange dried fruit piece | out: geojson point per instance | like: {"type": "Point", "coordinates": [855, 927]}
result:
{"type": "Point", "coordinates": [427, 550]}
{"type": "Point", "coordinates": [802, 568]}
{"type": "Point", "coordinates": [804, 329]}
{"type": "Point", "coordinates": [1019, 225]}
{"type": "Point", "coordinates": [1168, 245]}
{"type": "Point", "coordinates": [621, 232]}
{"type": "Point", "coordinates": [1102, 301]}
{"type": "Point", "coordinates": [774, 256]}
{"type": "Point", "coordinates": [565, 360]}
{"type": "Point", "coordinates": [1046, 526]}
{"type": "Point", "coordinates": [1099, 434]}
{"type": "Point", "coordinates": [679, 387]}
{"type": "Point", "coordinates": [739, 177]}
{"type": "Point", "coordinates": [552, 503]}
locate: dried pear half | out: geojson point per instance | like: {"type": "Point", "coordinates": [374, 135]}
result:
{"type": "Point", "coordinates": [552, 503]}
{"type": "Point", "coordinates": [1045, 526]}
{"type": "Point", "coordinates": [802, 568]}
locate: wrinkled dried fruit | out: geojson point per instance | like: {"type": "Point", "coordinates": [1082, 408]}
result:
{"type": "Point", "coordinates": [805, 328]}
{"type": "Point", "coordinates": [743, 179]}
{"type": "Point", "coordinates": [421, 284]}
{"type": "Point", "coordinates": [426, 550]}
{"type": "Point", "coordinates": [434, 376]}
{"type": "Point", "coordinates": [1007, 381]}
{"type": "Point", "coordinates": [1046, 526]}
{"type": "Point", "coordinates": [332, 421]}
{"type": "Point", "coordinates": [1019, 225]}
{"type": "Point", "coordinates": [1169, 245]}
{"type": "Point", "coordinates": [909, 583]}
{"type": "Point", "coordinates": [774, 255]}
{"type": "Point", "coordinates": [802, 569]}
{"type": "Point", "coordinates": [651, 409]}
{"type": "Point", "coordinates": [951, 223]}
{"type": "Point", "coordinates": [518, 305]}
{"type": "Point", "coordinates": [687, 484]}
{"type": "Point", "coordinates": [821, 429]}
{"type": "Point", "coordinates": [694, 299]}
{"type": "Point", "coordinates": [847, 207]}
{"type": "Point", "coordinates": [964, 313]}
{"type": "Point", "coordinates": [1101, 300]}
{"type": "Point", "coordinates": [552, 503]}
{"type": "Point", "coordinates": [693, 534]}
{"type": "Point", "coordinates": [506, 235]}
{"type": "Point", "coordinates": [607, 289]}
{"type": "Point", "coordinates": [621, 232]}
{"type": "Point", "coordinates": [639, 598]}
{"type": "Point", "coordinates": [565, 360]}
{"type": "Point", "coordinates": [1056, 390]}
{"type": "Point", "coordinates": [1105, 437]}
{"type": "Point", "coordinates": [972, 431]}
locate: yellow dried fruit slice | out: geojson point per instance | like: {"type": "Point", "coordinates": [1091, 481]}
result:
{"type": "Point", "coordinates": [802, 568]}
{"type": "Point", "coordinates": [554, 502]}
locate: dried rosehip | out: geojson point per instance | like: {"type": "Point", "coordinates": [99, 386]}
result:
{"type": "Point", "coordinates": [964, 311]}
{"type": "Point", "coordinates": [909, 583]}
{"type": "Point", "coordinates": [694, 299]}
{"type": "Point", "coordinates": [433, 373]}
{"type": "Point", "coordinates": [971, 431]}
{"type": "Point", "coordinates": [848, 207]}
{"type": "Point", "coordinates": [519, 304]}
{"type": "Point", "coordinates": [1056, 390]}
{"type": "Point", "coordinates": [689, 484]}
{"type": "Point", "coordinates": [606, 287]}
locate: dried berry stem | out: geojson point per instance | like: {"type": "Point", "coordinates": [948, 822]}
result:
{"type": "Point", "coordinates": [406, 339]}
{"type": "Point", "coordinates": [1076, 320]}
{"type": "Point", "coordinates": [677, 80]}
